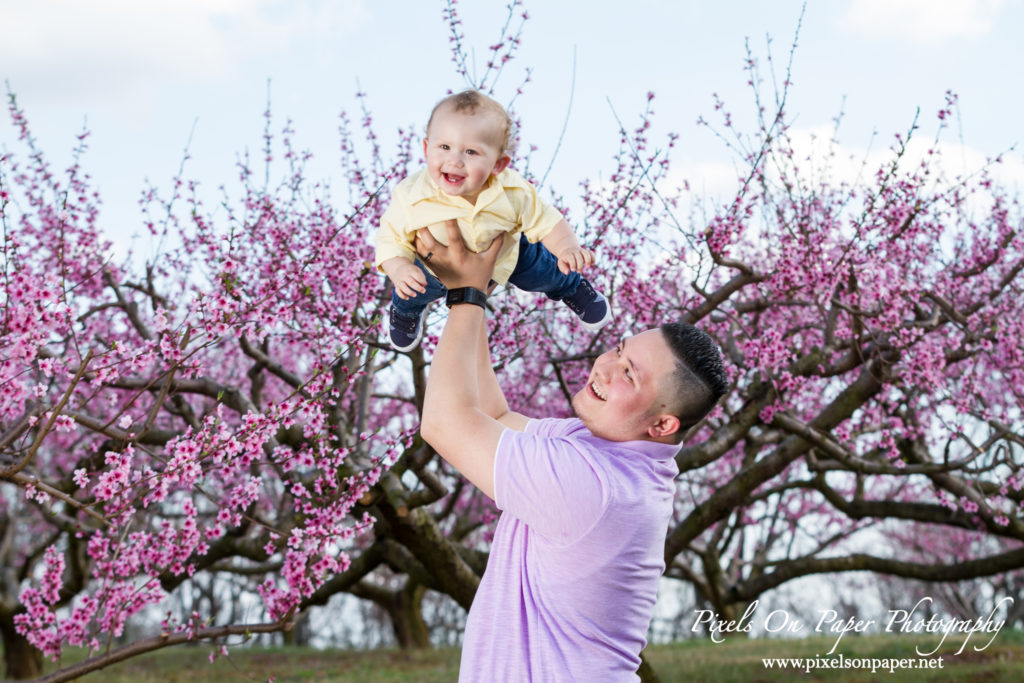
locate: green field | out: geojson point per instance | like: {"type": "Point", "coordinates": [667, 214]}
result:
{"type": "Point", "coordinates": [738, 660]}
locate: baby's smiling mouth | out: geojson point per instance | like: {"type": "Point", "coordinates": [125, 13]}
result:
{"type": "Point", "coordinates": [453, 179]}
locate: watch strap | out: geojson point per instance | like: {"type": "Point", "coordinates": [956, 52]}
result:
{"type": "Point", "coordinates": [466, 295]}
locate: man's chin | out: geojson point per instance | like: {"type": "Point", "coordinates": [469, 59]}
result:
{"type": "Point", "coordinates": [575, 403]}
{"type": "Point", "coordinates": [578, 402]}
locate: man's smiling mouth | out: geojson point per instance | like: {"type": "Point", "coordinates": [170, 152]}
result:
{"type": "Point", "coordinates": [597, 392]}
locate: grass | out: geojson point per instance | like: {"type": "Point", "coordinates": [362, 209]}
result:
{"type": "Point", "coordinates": [285, 665]}
{"type": "Point", "coordinates": [738, 660]}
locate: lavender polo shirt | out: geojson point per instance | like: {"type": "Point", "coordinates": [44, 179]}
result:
{"type": "Point", "coordinates": [573, 572]}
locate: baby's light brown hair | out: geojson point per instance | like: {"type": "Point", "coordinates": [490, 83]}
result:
{"type": "Point", "coordinates": [472, 101]}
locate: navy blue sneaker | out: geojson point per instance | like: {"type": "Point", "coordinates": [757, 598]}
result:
{"type": "Point", "coordinates": [406, 332]}
{"type": "Point", "coordinates": [589, 306]}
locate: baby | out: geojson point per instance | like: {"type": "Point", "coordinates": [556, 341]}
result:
{"type": "Point", "coordinates": [467, 178]}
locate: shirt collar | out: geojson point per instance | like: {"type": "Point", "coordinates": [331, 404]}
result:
{"type": "Point", "coordinates": [654, 450]}
{"type": "Point", "coordinates": [424, 188]}
{"type": "Point", "coordinates": [658, 457]}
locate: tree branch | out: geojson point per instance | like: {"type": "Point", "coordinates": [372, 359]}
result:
{"type": "Point", "coordinates": [155, 643]}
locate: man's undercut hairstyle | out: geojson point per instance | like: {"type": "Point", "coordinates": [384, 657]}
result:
{"type": "Point", "coordinates": [473, 101]}
{"type": "Point", "coordinates": [699, 379]}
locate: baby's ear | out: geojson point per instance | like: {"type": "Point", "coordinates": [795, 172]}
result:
{"type": "Point", "coordinates": [503, 161]}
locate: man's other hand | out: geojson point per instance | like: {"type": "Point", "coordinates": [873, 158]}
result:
{"type": "Point", "coordinates": [456, 265]}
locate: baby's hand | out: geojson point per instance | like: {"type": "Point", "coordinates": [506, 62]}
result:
{"type": "Point", "coordinates": [575, 259]}
{"type": "Point", "coordinates": [409, 281]}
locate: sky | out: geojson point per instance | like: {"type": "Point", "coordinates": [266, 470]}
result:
{"type": "Point", "coordinates": [148, 78]}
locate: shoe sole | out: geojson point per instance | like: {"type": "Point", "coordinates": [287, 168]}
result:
{"type": "Point", "coordinates": [594, 327]}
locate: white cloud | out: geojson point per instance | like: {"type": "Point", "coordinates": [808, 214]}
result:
{"type": "Point", "coordinates": [819, 160]}
{"type": "Point", "coordinates": [702, 181]}
{"type": "Point", "coordinates": [853, 165]}
{"type": "Point", "coordinates": [110, 47]}
{"type": "Point", "coordinates": [921, 21]}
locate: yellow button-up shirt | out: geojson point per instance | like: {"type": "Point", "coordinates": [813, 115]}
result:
{"type": "Point", "coordinates": [508, 205]}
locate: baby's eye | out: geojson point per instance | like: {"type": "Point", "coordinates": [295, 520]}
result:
{"type": "Point", "coordinates": [444, 147]}
{"type": "Point", "coordinates": [471, 151]}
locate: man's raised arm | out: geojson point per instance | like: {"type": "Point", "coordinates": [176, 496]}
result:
{"type": "Point", "coordinates": [463, 399]}
{"type": "Point", "coordinates": [492, 398]}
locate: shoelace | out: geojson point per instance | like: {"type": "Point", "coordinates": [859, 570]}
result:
{"type": "Point", "coordinates": [403, 323]}
{"type": "Point", "coordinates": [573, 303]}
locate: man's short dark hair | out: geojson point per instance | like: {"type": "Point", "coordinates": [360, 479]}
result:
{"type": "Point", "coordinates": [699, 379]}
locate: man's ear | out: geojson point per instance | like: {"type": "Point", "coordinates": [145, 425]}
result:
{"type": "Point", "coordinates": [665, 425]}
{"type": "Point", "coordinates": [503, 161]}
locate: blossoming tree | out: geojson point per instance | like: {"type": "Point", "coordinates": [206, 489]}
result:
{"type": "Point", "coordinates": [227, 411]}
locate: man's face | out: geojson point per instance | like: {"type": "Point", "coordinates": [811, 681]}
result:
{"type": "Point", "coordinates": [623, 399]}
{"type": "Point", "coordinates": [463, 150]}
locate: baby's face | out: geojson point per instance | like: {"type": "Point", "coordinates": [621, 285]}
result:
{"type": "Point", "coordinates": [463, 150]}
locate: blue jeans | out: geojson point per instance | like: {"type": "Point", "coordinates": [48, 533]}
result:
{"type": "Point", "coordinates": [536, 271]}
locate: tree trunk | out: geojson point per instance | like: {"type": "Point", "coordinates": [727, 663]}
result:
{"type": "Point", "coordinates": [646, 671]}
{"type": "Point", "coordinates": [406, 612]}
{"type": "Point", "coordinates": [299, 635]}
{"type": "Point", "coordinates": [21, 660]}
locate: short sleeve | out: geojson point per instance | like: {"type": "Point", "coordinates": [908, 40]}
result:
{"type": "Point", "coordinates": [538, 218]}
{"type": "Point", "coordinates": [392, 238]}
{"type": "Point", "coordinates": [550, 483]}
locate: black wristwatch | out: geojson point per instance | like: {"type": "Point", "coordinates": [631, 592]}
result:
{"type": "Point", "coordinates": [466, 295]}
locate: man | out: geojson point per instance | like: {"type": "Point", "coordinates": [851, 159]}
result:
{"type": "Point", "coordinates": [573, 572]}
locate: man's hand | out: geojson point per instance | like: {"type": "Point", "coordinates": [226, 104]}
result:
{"type": "Point", "coordinates": [456, 265]}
